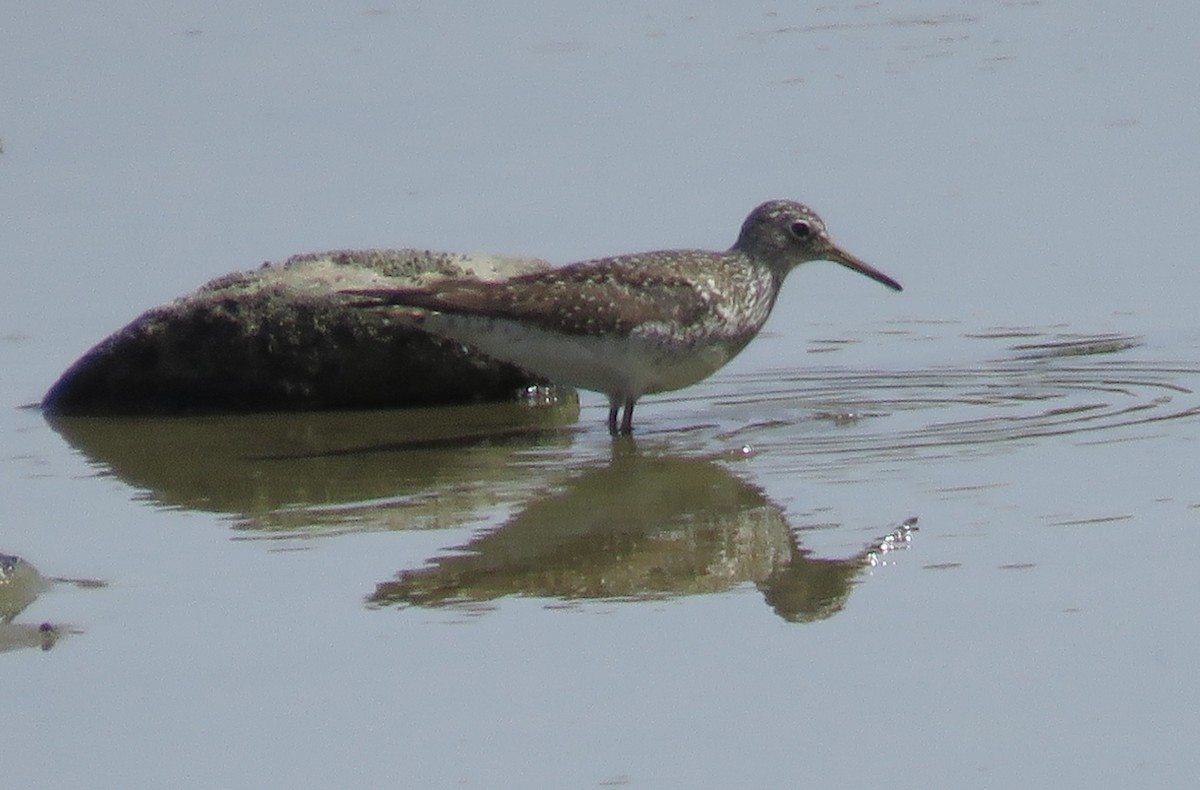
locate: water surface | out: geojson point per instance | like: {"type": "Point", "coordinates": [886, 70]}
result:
{"type": "Point", "coordinates": [937, 538]}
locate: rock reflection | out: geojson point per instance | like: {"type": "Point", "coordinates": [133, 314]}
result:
{"type": "Point", "coordinates": [297, 472]}
{"type": "Point", "coordinates": [642, 527]}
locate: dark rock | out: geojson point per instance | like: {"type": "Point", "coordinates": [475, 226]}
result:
{"type": "Point", "coordinates": [284, 338]}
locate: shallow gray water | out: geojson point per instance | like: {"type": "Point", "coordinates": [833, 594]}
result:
{"type": "Point", "coordinates": [936, 538]}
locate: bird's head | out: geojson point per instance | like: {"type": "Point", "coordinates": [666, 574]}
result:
{"type": "Point", "coordinates": [786, 234]}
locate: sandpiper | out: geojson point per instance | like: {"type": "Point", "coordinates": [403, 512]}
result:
{"type": "Point", "coordinates": [634, 324]}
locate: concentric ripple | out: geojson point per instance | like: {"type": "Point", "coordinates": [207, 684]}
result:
{"type": "Point", "coordinates": [1083, 385]}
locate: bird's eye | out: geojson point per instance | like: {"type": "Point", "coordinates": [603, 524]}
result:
{"type": "Point", "coordinates": [801, 229]}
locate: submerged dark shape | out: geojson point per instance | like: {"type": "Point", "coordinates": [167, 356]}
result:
{"type": "Point", "coordinates": [282, 338]}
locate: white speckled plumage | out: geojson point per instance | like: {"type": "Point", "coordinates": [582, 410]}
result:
{"type": "Point", "coordinates": [634, 324]}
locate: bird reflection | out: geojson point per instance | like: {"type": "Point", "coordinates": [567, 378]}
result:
{"type": "Point", "coordinates": [641, 527]}
{"type": "Point", "coordinates": [637, 525]}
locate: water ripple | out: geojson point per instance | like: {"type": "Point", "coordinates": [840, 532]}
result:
{"type": "Point", "coordinates": [1084, 385]}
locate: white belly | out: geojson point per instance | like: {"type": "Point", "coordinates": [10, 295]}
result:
{"type": "Point", "coordinates": [619, 367]}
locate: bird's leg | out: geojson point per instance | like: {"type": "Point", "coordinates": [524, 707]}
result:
{"type": "Point", "coordinates": [613, 408]}
{"type": "Point", "coordinates": [627, 418]}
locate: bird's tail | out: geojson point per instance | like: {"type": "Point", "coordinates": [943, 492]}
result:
{"type": "Point", "coordinates": [387, 297]}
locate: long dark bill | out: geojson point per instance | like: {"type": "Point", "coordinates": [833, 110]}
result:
{"type": "Point", "coordinates": [838, 255]}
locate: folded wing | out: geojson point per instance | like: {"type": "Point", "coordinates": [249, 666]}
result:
{"type": "Point", "coordinates": [584, 298]}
